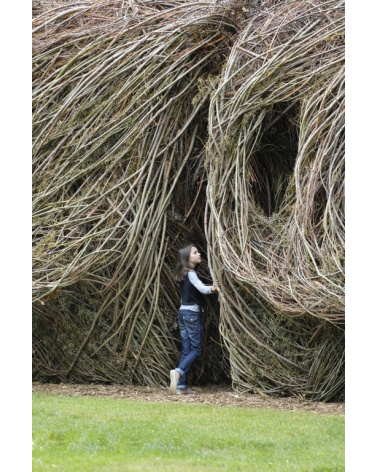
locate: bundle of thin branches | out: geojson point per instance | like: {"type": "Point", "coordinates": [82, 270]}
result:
{"type": "Point", "coordinates": [276, 194]}
{"type": "Point", "coordinates": [119, 122]}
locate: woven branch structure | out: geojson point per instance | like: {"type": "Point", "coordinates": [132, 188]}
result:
{"type": "Point", "coordinates": [160, 123]}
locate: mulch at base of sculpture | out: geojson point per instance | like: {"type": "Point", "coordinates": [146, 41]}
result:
{"type": "Point", "coordinates": [213, 395]}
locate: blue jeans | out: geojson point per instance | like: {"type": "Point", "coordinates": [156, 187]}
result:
{"type": "Point", "coordinates": [191, 332]}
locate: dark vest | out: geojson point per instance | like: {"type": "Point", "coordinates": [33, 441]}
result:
{"type": "Point", "coordinates": [189, 294]}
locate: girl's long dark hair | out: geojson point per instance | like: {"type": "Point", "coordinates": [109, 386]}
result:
{"type": "Point", "coordinates": [183, 266]}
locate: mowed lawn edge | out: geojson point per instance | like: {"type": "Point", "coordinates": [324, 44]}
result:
{"type": "Point", "coordinates": [105, 434]}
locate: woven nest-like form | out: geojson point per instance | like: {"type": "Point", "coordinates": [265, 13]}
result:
{"type": "Point", "coordinates": [156, 124]}
{"type": "Point", "coordinates": [120, 122]}
{"type": "Point", "coordinates": [276, 194]}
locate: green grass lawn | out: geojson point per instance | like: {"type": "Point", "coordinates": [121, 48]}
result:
{"type": "Point", "coordinates": [87, 434]}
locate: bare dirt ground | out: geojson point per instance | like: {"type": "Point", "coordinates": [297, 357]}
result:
{"type": "Point", "coordinates": [214, 395]}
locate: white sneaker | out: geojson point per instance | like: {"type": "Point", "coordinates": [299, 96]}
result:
{"type": "Point", "coordinates": [175, 376]}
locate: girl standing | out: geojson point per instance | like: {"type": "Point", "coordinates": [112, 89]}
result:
{"type": "Point", "coordinates": [189, 317]}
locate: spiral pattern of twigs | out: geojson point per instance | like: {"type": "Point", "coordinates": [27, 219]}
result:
{"type": "Point", "coordinates": [276, 194]}
{"type": "Point", "coordinates": [119, 125]}
{"type": "Point", "coordinates": [158, 123]}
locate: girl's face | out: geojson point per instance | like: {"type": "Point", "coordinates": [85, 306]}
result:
{"type": "Point", "coordinates": [195, 256]}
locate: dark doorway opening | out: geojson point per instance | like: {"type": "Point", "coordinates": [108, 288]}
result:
{"type": "Point", "coordinates": [274, 158]}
